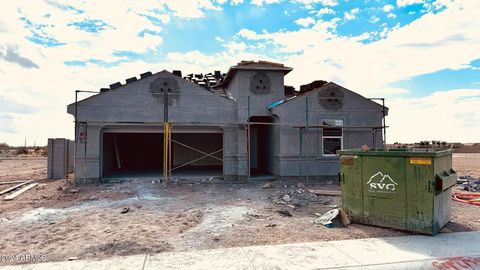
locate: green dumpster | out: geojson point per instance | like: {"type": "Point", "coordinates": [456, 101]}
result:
{"type": "Point", "coordinates": [406, 189]}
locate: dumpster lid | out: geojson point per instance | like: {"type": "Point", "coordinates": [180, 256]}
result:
{"type": "Point", "coordinates": [403, 152]}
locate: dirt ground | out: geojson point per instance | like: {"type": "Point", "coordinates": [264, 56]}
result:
{"type": "Point", "coordinates": [467, 164]}
{"type": "Point", "coordinates": [58, 220]}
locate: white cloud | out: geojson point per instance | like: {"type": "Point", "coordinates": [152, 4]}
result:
{"type": "Point", "coordinates": [249, 34]}
{"type": "Point", "coordinates": [448, 39]}
{"type": "Point", "coordinates": [391, 16]}
{"type": "Point", "coordinates": [450, 116]}
{"type": "Point", "coordinates": [303, 39]}
{"type": "Point", "coordinates": [330, 3]}
{"type": "Point", "coordinates": [306, 3]}
{"type": "Point", "coordinates": [324, 11]}
{"type": "Point", "coordinates": [352, 14]}
{"type": "Point", "coordinates": [49, 88]}
{"type": "Point", "coordinates": [374, 19]}
{"type": "Point", "coordinates": [189, 8]}
{"type": "Point", "coordinates": [123, 22]}
{"type": "Point", "coordinates": [305, 22]}
{"type": "Point", "coordinates": [403, 3]}
{"type": "Point", "coordinates": [164, 18]}
{"type": "Point", "coordinates": [236, 2]}
{"type": "Point", "coordinates": [235, 47]}
{"type": "Point", "coordinates": [388, 8]}
{"type": "Point", "coordinates": [426, 42]}
{"type": "Point", "coordinates": [393, 91]}
{"type": "Point", "coordinates": [262, 2]}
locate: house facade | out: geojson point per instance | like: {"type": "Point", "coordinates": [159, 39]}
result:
{"type": "Point", "coordinates": [239, 125]}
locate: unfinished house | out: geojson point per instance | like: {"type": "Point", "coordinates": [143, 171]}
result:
{"type": "Point", "coordinates": [243, 124]}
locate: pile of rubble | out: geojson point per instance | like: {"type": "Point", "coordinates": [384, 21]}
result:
{"type": "Point", "coordinates": [298, 198]}
{"type": "Point", "coordinates": [469, 183]}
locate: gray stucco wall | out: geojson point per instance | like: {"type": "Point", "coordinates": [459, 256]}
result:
{"type": "Point", "coordinates": [134, 106]}
{"type": "Point", "coordinates": [302, 154]}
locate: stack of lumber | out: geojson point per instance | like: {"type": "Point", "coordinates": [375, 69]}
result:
{"type": "Point", "coordinates": [15, 191]}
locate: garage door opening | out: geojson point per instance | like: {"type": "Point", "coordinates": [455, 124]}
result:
{"type": "Point", "coordinates": [197, 154]}
{"type": "Point", "coordinates": [194, 155]}
{"type": "Point", "coordinates": [132, 154]}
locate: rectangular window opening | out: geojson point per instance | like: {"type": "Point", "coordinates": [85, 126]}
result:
{"type": "Point", "coordinates": [332, 138]}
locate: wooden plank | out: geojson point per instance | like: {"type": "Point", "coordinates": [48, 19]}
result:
{"type": "Point", "coordinates": [117, 154]}
{"type": "Point", "coordinates": [11, 182]}
{"type": "Point", "coordinates": [14, 187]}
{"type": "Point", "coordinates": [20, 191]}
{"type": "Point", "coordinates": [326, 192]}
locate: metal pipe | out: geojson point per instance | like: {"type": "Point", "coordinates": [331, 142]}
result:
{"type": "Point", "coordinates": [300, 137]}
{"type": "Point", "coordinates": [295, 125]}
{"type": "Point", "coordinates": [384, 125]}
{"type": "Point", "coordinates": [248, 140]}
{"type": "Point", "coordinates": [165, 106]}
{"type": "Point", "coordinates": [75, 136]}
{"type": "Point", "coordinates": [165, 153]}
{"type": "Point", "coordinates": [306, 112]}
{"type": "Point", "coordinates": [169, 150]}
{"type": "Point", "coordinates": [306, 136]}
{"type": "Point", "coordinates": [85, 155]}
{"type": "Point", "coordinates": [166, 134]}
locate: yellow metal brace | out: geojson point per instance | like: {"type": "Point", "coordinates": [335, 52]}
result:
{"type": "Point", "coordinates": [167, 153]}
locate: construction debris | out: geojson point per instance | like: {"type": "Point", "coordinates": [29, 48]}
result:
{"type": "Point", "coordinates": [216, 237]}
{"type": "Point", "coordinates": [268, 185]}
{"type": "Point", "coordinates": [298, 198]}
{"type": "Point", "coordinates": [469, 183]}
{"type": "Point", "coordinates": [286, 198]}
{"type": "Point", "coordinates": [284, 213]}
{"type": "Point", "coordinates": [15, 187]}
{"type": "Point", "coordinates": [334, 218]}
{"type": "Point", "coordinates": [42, 186]}
{"type": "Point", "coordinates": [11, 182]}
{"type": "Point", "coordinates": [18, 192]}
{"type": "Point", "coordinates": [326, 192]}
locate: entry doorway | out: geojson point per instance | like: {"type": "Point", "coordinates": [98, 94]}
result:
{"type": "Point", "coordinates": [261, 145]}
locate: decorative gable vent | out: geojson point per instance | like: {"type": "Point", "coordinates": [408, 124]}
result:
{"type": "Point", "coordinates": [260, 84]}
{"type": "Point", "coordinates": [163, 84]}
{"type": "Point", "coordinates": [331, 98]}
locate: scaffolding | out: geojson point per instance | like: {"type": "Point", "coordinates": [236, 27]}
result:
{"type": "Point", "coordinates": [167, 153]}
{"type": "Point", "coordinates": [169, 126]}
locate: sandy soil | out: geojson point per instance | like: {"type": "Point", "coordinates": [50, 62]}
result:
{"type": "Point", "coordinates": [59, 221]}
{"type": "Point", "coordinates": [467, 164]}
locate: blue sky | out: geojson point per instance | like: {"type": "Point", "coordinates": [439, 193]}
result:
{"type": "Point", "coordinates": [423, 56]}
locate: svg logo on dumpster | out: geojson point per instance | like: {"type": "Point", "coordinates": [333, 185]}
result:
{"type": "Point", "coordinates": [382, 183]}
